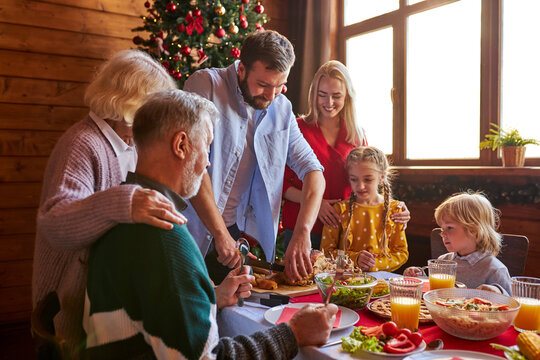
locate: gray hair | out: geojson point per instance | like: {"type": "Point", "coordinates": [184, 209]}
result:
{"type": "Point", "coordinates": [167, 111]}
{"type": "Point", "coordinates": [122, 84]}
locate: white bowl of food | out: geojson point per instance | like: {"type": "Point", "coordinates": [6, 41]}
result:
{"type": "Point", "coordinates": [470, 313]}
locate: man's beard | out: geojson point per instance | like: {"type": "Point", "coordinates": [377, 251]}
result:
{"type": "Point", "coordinates": [257, 102]}
{"type": "Point", "coordinates": [193, 181]}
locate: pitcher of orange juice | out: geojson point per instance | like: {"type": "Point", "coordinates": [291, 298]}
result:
{"type": "Point", "coordinates": [405, 298]}
{"type": "Point", "coordinates": [526, 290]}
{"type": "Point", "coordinates": [442, 274]}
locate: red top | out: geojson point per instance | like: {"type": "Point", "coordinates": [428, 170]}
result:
{"type": "Point", "coordinates": [335, 174]}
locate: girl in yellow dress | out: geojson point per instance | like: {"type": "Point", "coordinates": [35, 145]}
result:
{"type": "Point", "coordinates": [366, 232]}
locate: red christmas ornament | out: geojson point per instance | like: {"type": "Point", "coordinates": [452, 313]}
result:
{"type": "Point", "coordinates": [176, 58]}
{"type": "Point", "coordinates": [243, 24]}
{"type": "Point", "coordinates": [243, 17]}
{"type": "Point", "coordinates": [258, 26]}
{"type": "Point", "coordinates": [235, 53]}
{"type": "Point", "coordinates": [137, 40]}
{"type": "Point", "coordinates": [147, 4]}
{"type": "Point", "coordinates": [220, 33]}
{"type": "Point", "coordinates": [177, 75]}
{"type": "Point", "coordinates": [197, 12]}
{"type": "Point", "coordinates": [245, 1]}
{"type": "Point", "coordinates": [185, 50]}
{"type": "Point", "coordinates": [165, 64]}
{"type": "Point", "coordinates": [171, 7]}
{"type": "Point", "coordinates": [181, 28]}
{"type": "Point", "coordinates": [259, 9]}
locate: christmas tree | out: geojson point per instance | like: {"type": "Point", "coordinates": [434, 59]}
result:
{"type": "Point", "coordinates": [188, 35]}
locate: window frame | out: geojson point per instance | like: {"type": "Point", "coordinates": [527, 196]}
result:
{"type": "Point", "coordinates": [490, 75]}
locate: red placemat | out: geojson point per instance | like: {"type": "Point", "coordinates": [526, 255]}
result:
{"type": "Point", "coordinates": [288, 312]}
{"type": "Point", "coordinates": [432, 332]}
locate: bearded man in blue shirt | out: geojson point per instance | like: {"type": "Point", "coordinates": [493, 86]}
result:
{"type": "Point", "coordinates": [255, 138]}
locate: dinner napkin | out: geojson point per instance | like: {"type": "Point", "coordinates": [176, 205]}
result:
{"type": "Point", "coordinates": [288, 312]}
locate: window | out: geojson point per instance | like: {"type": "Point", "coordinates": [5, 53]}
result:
{"type": "Point", "coordinates": [430, 76]}
{"type": "Point", "coordinates": [372, 76]}
{"type": "Point", "coordinates": [520, 70]}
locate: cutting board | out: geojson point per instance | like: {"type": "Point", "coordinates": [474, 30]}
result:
{"type": "Point", "coordinates": [289, 290]}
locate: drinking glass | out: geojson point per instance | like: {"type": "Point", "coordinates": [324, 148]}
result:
{"type": "Point", "coordinates": [526, 290]}
{"type": "Point", "coordinates": [405, 298]}
{"type": "Point", "coordinates": [442, 274]}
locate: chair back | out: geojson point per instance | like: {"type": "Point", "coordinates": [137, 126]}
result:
{"type": "Point", "coordinates": [513, 252]}
{"type": "Point", "coordinates": [48, 345]}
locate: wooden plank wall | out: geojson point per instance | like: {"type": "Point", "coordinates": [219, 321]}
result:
{"type": "Point", "coordinates": [519, 219]}
{"type": "Point", "coordinates": [49, 51]}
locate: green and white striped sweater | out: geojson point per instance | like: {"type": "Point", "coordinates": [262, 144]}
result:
{"type": "Point", "coordinates": [149, 296]}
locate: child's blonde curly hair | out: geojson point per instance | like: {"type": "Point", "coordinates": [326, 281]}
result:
{"type": "Point", "coordinates": [474, 211]}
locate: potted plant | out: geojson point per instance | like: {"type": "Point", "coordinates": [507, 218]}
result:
{"type": "Point", "coordinates": [511, 143]}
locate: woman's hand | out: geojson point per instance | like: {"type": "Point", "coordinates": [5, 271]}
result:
{"type": "Point", "coordinates": [327, 213]}
{"type": "Point", "coordinates": [365, 260]}
{"type": "Point", "coordinates": [152, 208]}
{"type": "Point", "coordinates": [401, 217]}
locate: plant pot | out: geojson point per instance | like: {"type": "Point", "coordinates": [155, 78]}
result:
{"type": "Point", "coordinates": [513, 156]}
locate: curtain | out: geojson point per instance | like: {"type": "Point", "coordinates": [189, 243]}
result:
{"type": "Point", "coordinates": [313, 33]}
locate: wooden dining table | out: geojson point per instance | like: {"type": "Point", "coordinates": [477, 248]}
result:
{"type": "Point", "coordinates": [245, 320]}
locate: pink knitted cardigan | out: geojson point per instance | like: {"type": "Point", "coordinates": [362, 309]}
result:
{"type": "Point", "coordinates": [80, 201]}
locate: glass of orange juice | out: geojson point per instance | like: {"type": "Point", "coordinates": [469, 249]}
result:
{"type": "Point", "coordinates": [405, 298]}
{"type": "Point", "coordinates": [442, 274]}
{"type": "Point", "coordinates": [526, 290]}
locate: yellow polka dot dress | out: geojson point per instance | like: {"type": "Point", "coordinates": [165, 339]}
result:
{"type": "Point", "coordinates": [365, 232]}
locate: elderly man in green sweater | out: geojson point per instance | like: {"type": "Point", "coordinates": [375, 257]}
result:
{"type": "Point", "coordinates": [148, 292]}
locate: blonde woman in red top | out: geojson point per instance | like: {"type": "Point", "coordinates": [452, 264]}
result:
{"type": "Point", "coordinates": [331, 128]}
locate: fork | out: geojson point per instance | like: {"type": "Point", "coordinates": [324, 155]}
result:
{"type": "Point", "coordinates": [340, 269]}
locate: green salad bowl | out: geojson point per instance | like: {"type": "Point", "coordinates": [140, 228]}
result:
{"type": "Point", "coordinates": [352, 291]}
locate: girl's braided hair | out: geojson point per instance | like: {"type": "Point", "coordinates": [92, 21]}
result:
{"type": "Point", "coordinates": [376, 156]}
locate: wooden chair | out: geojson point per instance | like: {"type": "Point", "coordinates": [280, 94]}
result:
{"type": "Point", "coordinates": [48, 345]}
{"type": "Point", "coordinates": [513, 253]}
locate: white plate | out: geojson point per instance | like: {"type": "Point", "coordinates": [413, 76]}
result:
{"type": "Point", "coordinates": [448, 354]}
{"type": "Point", "coordinates": [379, 297]}
{"type": "Point", "coordinates": [348, 317]}
{"type": "Point", "coordinates": [420, 348]}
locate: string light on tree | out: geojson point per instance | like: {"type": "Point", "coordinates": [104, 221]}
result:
{"type": "Point", "coordinates": [191, 34]}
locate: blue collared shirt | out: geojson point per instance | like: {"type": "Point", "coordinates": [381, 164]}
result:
{"type": "Point", "coordinates": [277, 142]}
{"type": "Point", "coordinates": [473, 257]}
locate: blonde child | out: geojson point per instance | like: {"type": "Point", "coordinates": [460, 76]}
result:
{"type": "Point", "coordinates": [366, 232]}
{"type": "Point", "coordinates": [469, 232]}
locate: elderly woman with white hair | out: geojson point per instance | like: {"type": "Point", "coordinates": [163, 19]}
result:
{"type": "Point", "coordinates": [81, 198]}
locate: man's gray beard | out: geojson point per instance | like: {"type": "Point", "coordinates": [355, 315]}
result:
{"type": "Point", "coordinates": [193, 180]}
